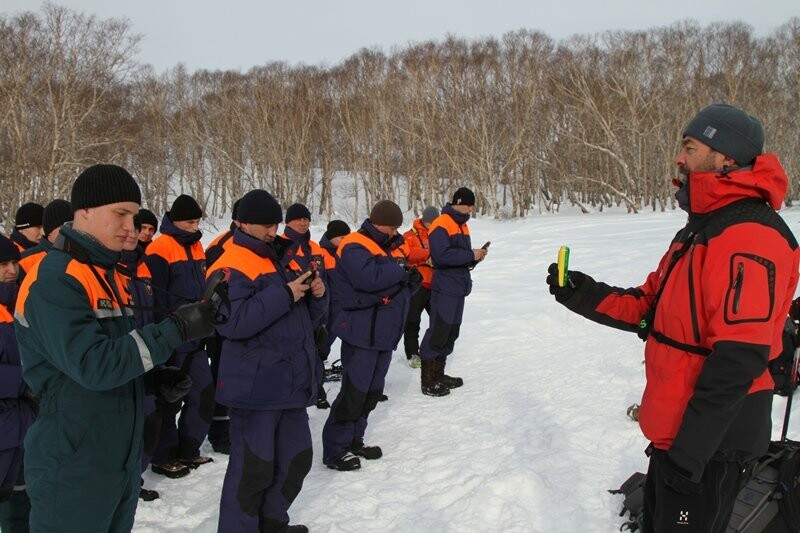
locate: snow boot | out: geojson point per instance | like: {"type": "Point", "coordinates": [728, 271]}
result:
{"type": "Point", "coordinates": [322, 398]}
{"type": "Point", "coordinates": [172, 470]}
{"type": "Point", "coordinates": [367, 452]}
{"type": "Point", "coordinates": [145, 494]}
{"type": "Point", "coordinates": [295, 528]}
{"type": "Point", "coordinates": [430, 385]}
{"type": "Point", "coordinates": [195, 462]}
{"type": "Point", "coordinates": [345, 463]}
{"type": "Point", "coordinates": [448, 381]}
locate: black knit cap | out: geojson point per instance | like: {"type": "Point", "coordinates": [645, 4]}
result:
{"type": "Point", "coordinates": [235, 210]}
{"type": "Point", "coordinates": [259, 207]}
{"type": "Point", "coordinates": [729, 131]}
{"type": "Point", "coordinates": [28, 215]}
{"type": "Point", "coordinates": [296, 211]}
{"type": "Point", "coordinates": [55, 214]}
{"type": "Point", "coordinates": [185, 208]}
{"type": "Point", "coordinates": [148, 217]}
{"type": "Point", "coordinates": [337, 228]}
{"type": "Point", "coordinates": [463, 196]}
{"type": "Point", "coordinates": [8, 250]}
{"type": "Point", "coordinates": [386, 213]}
{"type": "Point", "coordinates": [102, 185]}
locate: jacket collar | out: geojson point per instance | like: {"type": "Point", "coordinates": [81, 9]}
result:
{"type": "Point", "coordinates": [85, 248]}
{"type": "Point", "coordinates": [296, 237]}
{"type": "Point", "coordinates": [766, 179]}
{"type": "Point", "coordinates": [460, 218]}
{"type": "Point", "coordinates": [168, 227]}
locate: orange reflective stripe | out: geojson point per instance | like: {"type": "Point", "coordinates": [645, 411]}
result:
{"type": "Point", "coordinates": [28, 262]}
{"type": "Point", "coordinates": [371, 246]}
{"type": "Point", "coordinates": [142, 271]}
{"type": "Point", "coordinates": [450, 226]}
{"type": "Point", "coordinates": [243, 260]}
{"type": "Point", "coordinates": [97, 294]}
{"type": "Point", "coordinates": [5, 316]}
{"type": "Point", "coordinates": [172, 251]}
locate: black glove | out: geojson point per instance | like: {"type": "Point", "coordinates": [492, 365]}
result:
{"type": "Point", "coordinates": [574, 280]}
{"type": "Point", "coordinates": [196, 320]}
{"type": "Point", "coordinates": [414, 277]}
{"type": "Point", "coordinates": [171, 383]}
{"type": "Point", "coordinates": [677, 478]}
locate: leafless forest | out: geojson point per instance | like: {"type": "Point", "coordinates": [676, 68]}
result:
{"type": "Point", "coordinates": [528, 122]}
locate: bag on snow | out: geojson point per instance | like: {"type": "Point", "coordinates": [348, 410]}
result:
{"type": "Point", "coordinates": [783, 367]}
{"type": "Point", "coordinates": [768, 503]}
{"type": "Point", "coordinates": [633, 504]}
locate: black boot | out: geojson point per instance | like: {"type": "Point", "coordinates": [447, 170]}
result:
{"type": "Point", "coordinates": [322, 398]}
{"type": "Point", "coordinates": [448, 381]}
{"type": "Point", "coordinates": [430, 385]}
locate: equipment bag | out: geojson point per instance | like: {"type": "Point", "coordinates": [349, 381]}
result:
{"type": "Point", "coordinates": [633, 504]}
{"type": "Point", "coordinates": [782, 367]}
{"type": "Point", "coordinates": [770, 501]}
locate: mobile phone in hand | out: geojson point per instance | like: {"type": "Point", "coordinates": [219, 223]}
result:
{"type": "Point", "coordinates": [563, 265]}
{"type": "Point", "coordinates": [486, 245]}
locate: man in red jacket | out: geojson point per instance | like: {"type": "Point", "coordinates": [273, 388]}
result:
{"type": "Point", "coordinates": [417, 251]}
{"type": "Point", "coordinates": [712, 316]}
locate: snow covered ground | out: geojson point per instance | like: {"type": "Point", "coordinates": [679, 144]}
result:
{"type": "Point", "coordinates": [535, 437]}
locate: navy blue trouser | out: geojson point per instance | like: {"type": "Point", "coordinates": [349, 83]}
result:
{"type": "Point", "coordinates": [15, 506]}
{"type": "Point", "coordinates": [270, 457]}
{"type": "Point", "coordinates": [447, 312]}
{"type": "Point", "coordinates": [421, 300]}
{"type": "Point", "coordinates": [196, 411]}
{"type": "Point", "coordinates": [363, 377]}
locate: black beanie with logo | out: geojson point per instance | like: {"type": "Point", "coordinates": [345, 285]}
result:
{"type": "Point", "coordinates": [28, 215]}
{"type": "Point", "coordinates": [729, 131]}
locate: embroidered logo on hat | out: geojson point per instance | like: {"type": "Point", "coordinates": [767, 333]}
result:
{"type": "Point", "coordinates": [709, 132]}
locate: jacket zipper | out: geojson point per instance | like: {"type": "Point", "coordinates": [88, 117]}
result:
{"type": "Point", "coordinates": [737, 287]}
{"type": "Point", "coordinates": [692, 299]}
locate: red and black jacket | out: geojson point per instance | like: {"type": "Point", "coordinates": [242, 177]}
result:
{"type": "Point", "coordinates": [713, 312]}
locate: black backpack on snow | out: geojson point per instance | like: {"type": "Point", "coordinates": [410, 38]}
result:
{"type": "Point", "coordinates": [782, 367]}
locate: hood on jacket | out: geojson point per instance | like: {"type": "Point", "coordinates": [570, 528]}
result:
{"type": "Point", "coordinates": [766, 179]}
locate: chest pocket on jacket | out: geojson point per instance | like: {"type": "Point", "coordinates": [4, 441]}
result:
{"type": "Point", "coordinates": [751, 289]}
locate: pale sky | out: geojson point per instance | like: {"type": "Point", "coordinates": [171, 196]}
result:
{"type": "Point", "coordinates": [239, 34]}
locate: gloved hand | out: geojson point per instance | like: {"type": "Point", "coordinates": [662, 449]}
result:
{"type": "Point", "coordinates": [414, 277]}
{"type": "Point", "coordinates": [171, 383]}
{"type": "Point", "coordinates": [678, 479]}
{"type": "Point", "coordinates": [195, 320]}
{"type": "Point", "coordinates": [574, 280]}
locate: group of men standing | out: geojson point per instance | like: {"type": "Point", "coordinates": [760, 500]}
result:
{"type": "Point", "coordinates": [104, 332]}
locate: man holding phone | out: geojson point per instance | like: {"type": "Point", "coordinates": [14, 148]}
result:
{"type": "Point", "coordinates": [453, 257]}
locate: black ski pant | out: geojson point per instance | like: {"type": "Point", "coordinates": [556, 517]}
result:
{"type": "Point", "coordinates": [709, 511]}
{"type": "Point", "coordinates": [419, 302]}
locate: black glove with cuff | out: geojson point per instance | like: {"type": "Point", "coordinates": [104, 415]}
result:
{"type": "Point", "coordinates": [171, 383]}
{"type": "Point", "coordinates": [574, 281]}
{"type": "Point", "coordinates": [195, 320]}
{"type": "Point", "coordinates": [414, 276]}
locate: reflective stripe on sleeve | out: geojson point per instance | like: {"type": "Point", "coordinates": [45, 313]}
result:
{"type": "Point", "coordinates": [144, 352]}
{"type": "Point", "coordinates": [21, 319]}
